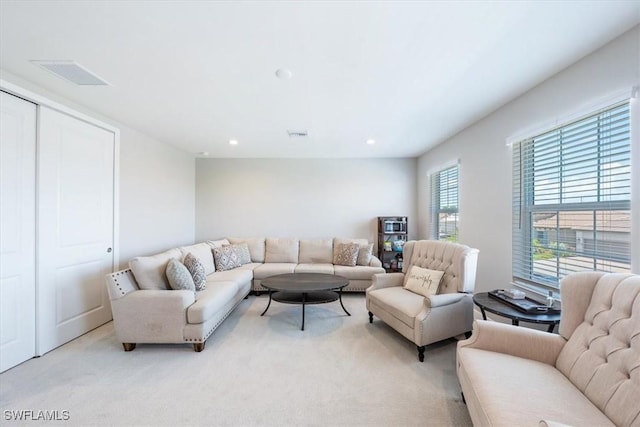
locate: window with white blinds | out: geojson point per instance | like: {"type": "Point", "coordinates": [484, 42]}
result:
{"type": "Point", "coordinates": [572, 199]}
{"type": "Point", "coordinates": [444, 204]}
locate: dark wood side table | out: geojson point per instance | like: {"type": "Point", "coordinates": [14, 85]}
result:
{"type": "Point", "coordinates": [486, 303]}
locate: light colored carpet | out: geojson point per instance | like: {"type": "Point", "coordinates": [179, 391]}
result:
{"type": "Point", "coordinates": [254, 371]}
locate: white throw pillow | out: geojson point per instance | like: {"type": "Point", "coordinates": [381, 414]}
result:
{"type": "Point", "coordinates": [364, 254]}
{"type": "Point", "coordinates": [423, 281]}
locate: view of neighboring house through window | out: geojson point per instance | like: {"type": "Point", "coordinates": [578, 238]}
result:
{"type": "Point", "coordinates": [572, 199]}
{"type": "Point", "coordinates": [444, 204]}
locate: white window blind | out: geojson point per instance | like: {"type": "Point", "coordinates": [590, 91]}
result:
{"type": "Point", "coordinates": [572, 199]}
{"type": "Point", "coordinates": [444, 204]}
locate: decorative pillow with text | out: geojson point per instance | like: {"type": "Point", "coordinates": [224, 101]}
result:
{"type": "Point", "coordinates": [423, 281]}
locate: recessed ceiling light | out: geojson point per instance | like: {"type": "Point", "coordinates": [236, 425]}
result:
{"type": "Point", "coordinates": [371, 141]}
{"type": "Point", "coordinates": [233, 142]}
{"type": "Point", "coordinates": [284, 74]}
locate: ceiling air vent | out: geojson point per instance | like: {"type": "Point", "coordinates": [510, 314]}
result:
{"type": "Point", "coordinates": [297, 133]}
{"type": "Point", "coordinates": [71, 71]}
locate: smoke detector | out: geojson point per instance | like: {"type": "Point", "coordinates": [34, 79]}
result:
{"type": "Point", "coordinates": [71, 71]}
{"type": "Point", "coordinates": [284, 74]}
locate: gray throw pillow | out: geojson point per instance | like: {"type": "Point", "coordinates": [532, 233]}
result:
{"type": "Point", "coordinates": [346, 254]}
{"type": "Point", "coordinates": [196, 269]}
{"type": "Point", "coordinates": [226, 258]}
{"type": "Point", "coordinates": [244, 256]}
{"type": "Point", "coordinates": [178, 276]}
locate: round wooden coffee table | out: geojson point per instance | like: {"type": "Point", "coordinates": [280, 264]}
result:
{"type": "Point", "coordinates": [305, 288]}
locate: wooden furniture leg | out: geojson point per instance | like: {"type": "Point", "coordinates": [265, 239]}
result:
{"type": "Point", "coordinates": [129, 346]}
{"type": "Point", "coordinates": [421, 350]}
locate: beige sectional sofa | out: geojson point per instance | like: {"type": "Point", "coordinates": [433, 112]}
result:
{"type": "Point", "coordinates": [146, 311]}
{"type": "Point", "coordinates": [587, 375]}
{"type": "Point", "coordinates": [273, 256]}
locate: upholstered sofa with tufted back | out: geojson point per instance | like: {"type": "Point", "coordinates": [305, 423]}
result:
{"type": "Point", "coordinates": [586, 375]}
{"type": "Point", "coordinates": [427, 319]}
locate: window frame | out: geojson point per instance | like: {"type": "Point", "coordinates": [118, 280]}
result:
{"type": "Point", "coordinates": [436, 179]}
{"type": "Point", "coordinates": [525, 207]}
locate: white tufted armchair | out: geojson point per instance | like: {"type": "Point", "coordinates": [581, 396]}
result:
{"type": "Point", "coordinates": [425, 320]}
{"type": "Point", "coordinates": [586, 375]}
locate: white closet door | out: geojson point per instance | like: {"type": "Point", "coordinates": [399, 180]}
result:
{"type": "Point", "coordinates": [17, 230]}
{"type": "Point", "coordinates": [76, 219]}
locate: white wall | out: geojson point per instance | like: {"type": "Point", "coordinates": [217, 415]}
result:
{"type": "Point", "coordinates": [157, 186]}
{"type": "Point", "coordinates": [303, 198]}
{"type": "Point", "coordinates": [485, 159]}
{"type": "Point", "coordinates": [157, 196]}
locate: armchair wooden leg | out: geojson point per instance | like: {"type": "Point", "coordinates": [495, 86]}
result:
{"type": "Point", "coordinates": [421, 350]}
{"type": "Point", "coordinates": [128, 346]}
{"type": "Point", "coordinates": [370, 317]}
{"type": "Point", "coordinates": [198, 347]}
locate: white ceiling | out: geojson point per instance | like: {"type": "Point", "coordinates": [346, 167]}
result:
{"type": "Point", "coordinates": [195, 74]}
